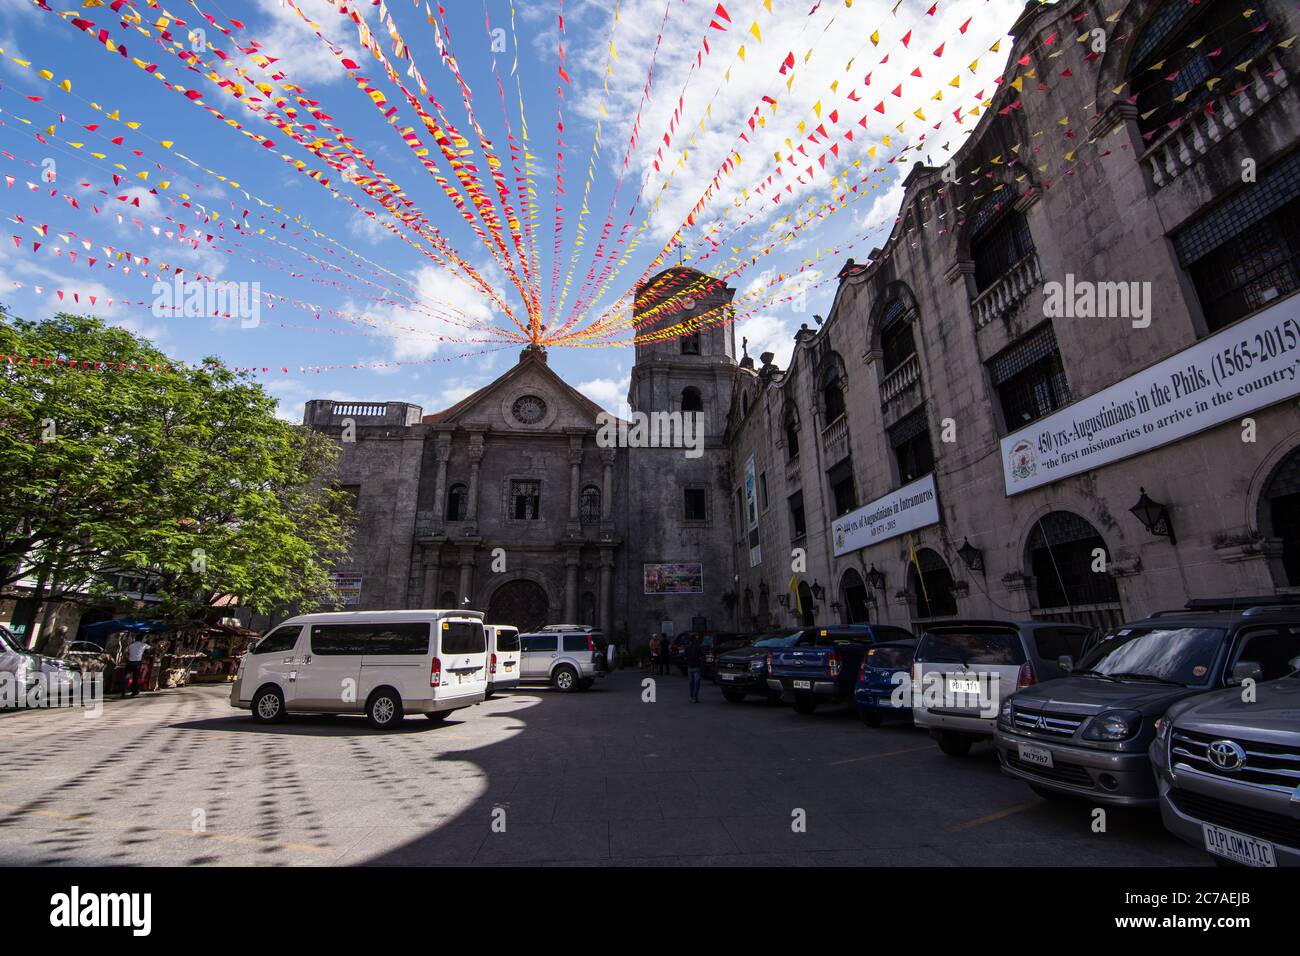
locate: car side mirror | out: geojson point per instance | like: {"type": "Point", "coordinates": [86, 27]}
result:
{"type": "Point", "coordinates": [1066, 662]}
{"type": "Point", "coordinates": [1246, 670]}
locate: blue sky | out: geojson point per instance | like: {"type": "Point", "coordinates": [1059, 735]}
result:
{"type": "Point", "coordinates": [395, 336]}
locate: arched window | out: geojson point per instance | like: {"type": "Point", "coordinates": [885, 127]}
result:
{"type": "Point", "coordinates": [1062, 551]}
{"type": "Point", "coordinates": [691, 400]}
{"type": "Point", "coordinates": [1192, 44]}
{"type": "Point", "coordinates": [930, 589]}
{"type": "Point", "coordinates": [1279, 515]}
{"type": "Point", "coordinates": [832, 394]}
{"type": "Point", "coordinates": [999, 239]}
{"type": "Point", "coordinates": [589, 505]}
{"type": "Point", "coordinates": [791, 426]}
{"type": "Point", "coordinates": [588, 609]}
{"type": "Point", "coordinates": [854, 595]}
{"type": "Point", "coordinates": [448, 600]}
{"type": "Point", "coordinates": [691, 344]}
{"type": "Point", "coordinates": [457, 502]}
{"type": "Point", "coordinates": [896, 342]}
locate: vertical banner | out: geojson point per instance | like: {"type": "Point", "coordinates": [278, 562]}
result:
{"type": "Point", "coordinates": [751, 513]}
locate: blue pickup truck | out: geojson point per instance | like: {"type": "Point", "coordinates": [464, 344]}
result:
{"type": "Point", "coordinates": [824, 666]}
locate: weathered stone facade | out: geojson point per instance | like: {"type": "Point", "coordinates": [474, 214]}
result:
{"type": "Point", "coordinates": [936, 355]}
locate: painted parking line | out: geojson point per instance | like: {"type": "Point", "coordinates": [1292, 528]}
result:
{"type": "Point", "coordinates": [890, 753]}
{"type": "Point", "coordinates": [999, 815]}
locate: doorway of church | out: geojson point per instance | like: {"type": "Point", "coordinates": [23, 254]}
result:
{"type": "Point", "coordinates": [521, 603]}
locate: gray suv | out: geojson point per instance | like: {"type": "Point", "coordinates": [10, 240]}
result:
{"type": "Point", "coordinates": [1087, 734]}
{"type": "Point", "coordinates": [1228, 771]}
{"type": "Point", "coordinates": [569, 660]}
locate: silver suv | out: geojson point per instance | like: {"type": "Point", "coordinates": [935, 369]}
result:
{"type": "Point", "coordinates": [570, 660]}
{"type": "Point", "coordinates": [1228, 771]}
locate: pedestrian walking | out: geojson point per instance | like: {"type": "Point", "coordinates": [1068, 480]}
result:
{"type": "Point", "coordinates": [654, 654]}
{"type": "Point", "coordinates": [666, 655]}
{"type": "Point", "coordinates": [693, 655]}
{"type": "Point", "coordinates": [135, 653]}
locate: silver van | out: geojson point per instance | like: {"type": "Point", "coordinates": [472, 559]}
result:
{"type": "Point", "coordinates": [384, 664]}
{"type": "Point", "coordinates": [569, 660]}
{"type": "Point", "coordinates": [964, 668]}
{"type": "Point", "coordinates": [504, 657]}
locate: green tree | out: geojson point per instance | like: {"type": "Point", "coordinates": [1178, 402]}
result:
{"type": "Point", "coordinates": [114, 457]}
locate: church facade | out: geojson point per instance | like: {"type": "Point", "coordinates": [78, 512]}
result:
{"type": "Point", "coordinates": [1064, 388]}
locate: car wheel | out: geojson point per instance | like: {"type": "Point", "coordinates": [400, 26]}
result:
{"type": "Point", "coordinates": [870, 718]}
{"type": "Point", "coordinates": [268, 706]}
{"type": "Point", "coordinates": [438, 716]}
{"type": "Point", "coordinates": [805, 704]}
{"type": "Point", "coordinates": [735, 696]}
{"type": "Point", "coordinates": [1048, 794]}
{"type": "Point", "coordinates": [384, 710]}
{"type": "Point", "coordinates": [954, 745]}
{"type": "Point", "coordinates": [565, 679]}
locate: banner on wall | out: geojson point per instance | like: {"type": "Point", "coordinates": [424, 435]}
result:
{"type": "Point", "coordinates": [1249, 366]}
{"type": "Point", "coordinates": [347, 587]}
{"type": "Point", "coordinates": [683, 577]}
{"type": "Point", "coordinates": [751, 513]}
{"type": "Point", "coordinates": [902, 510]}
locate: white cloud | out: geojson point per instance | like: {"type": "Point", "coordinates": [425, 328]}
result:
{"type": "Point", "coordinates": [609, 393]}
{"type": "Point", "coordinates": [304, 58]}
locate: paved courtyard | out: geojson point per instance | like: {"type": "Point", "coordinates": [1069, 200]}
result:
{"type": "Point", "coordinates": [181, 778]}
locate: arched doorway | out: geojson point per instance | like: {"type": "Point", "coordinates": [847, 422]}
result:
{"type": "Point", "coordinates": [1279, 515]}
{"type": "Point", "coordinates": [1062, 551]}
{"type": "Point", "coordinates": [930, 589]}
{"type": "Point", "coordinates": [854, 595]}
{"type": "Point", "coordinates": [808, 604]}
{"type": "Point", "coordinates": [521, 603]}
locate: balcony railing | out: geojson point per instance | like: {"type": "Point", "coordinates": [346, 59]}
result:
{"type": "Point", "coordinates": [1004, 296]}
{"type": "Point", "coordinates": [1182, 147]}
{"type": "Point", "coordinates": [835, 440]}
{"type": "Point", "coordinates": [901, 380]}
{"type": "Point", "coordinates": [360, 409]}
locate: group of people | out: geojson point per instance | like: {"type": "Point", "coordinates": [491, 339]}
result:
{"type": "Point", "coordinates": [661, 649]}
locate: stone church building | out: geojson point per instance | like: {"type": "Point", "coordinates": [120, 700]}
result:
{"type": "Point", "coordinates": [949, 441]}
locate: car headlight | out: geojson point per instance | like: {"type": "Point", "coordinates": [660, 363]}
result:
{"type": "Point", "coordinates": [1113, 725]}
{"type": "Point", "coordinates": [1004, 715]}
{"type": "Point", "coordinates": [1162, 727]}
{"type": "Point", "coordinates": [757, 665]}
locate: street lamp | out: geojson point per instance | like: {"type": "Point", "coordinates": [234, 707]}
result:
{"type": "Point", "coordinates": [783, 600]}
{"type": "Point", "coordinates": [971, 556]}
{"type": "Point", "coordinates": [1154, 517]}
{"type": "Point", "coordinates": [875, 579]}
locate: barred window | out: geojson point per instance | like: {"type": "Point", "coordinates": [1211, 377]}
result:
{"type": "Point", "coordinates": [897, 344]}
{"type": "Point", "coordinates": [525, 500]}
{"type": "Point", "coordinates": [832, 394]}
{"type": "Point", "coordinates": [842, 488]}
{"type": "Point", "coordinates": [589, 505]}
{"type": "Point", "coordinates": [998, 242]}
{"type": "Point", "coordinates": [1029, 378]}
{"type": "Point", "coordinates": [1191, 43]}
{"type": "Point", "coordinates": [1245, 252]}
{"type": "Point", "coordinates": [910, 439]}
{"type": "Point", "coordinates": [1060, 551]}
{"type": "Point", "coordinates": [457, 502]}
{"type": "Point", "coordinates": [695, 503]}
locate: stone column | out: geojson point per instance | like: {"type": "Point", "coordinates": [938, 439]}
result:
{"type": "Point", "coordinates": [475, 457]}
{"type": "Point", "coordinates": [607, 457]}
{"type": "Point", "coordinates": [575, 475]}
{"type": "Point", "coordinates": [466, 574]}
{"type": "Point", "coordinates": [571, 562]}
{"type": "Point", "coordinates": [607, 592]}
{"type": "Point", "coordinates": [442, 453]}
{"type": "Point", "coordinates": [429, 592]}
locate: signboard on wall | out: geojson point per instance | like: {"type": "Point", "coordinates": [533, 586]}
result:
{"type": "Point", "coordinates": [347, 588]}
{"type": "Point", "coordinates": [751, 513]}
{"type": "Point", "coordinates": [683, 577]}
{"type": "Point", "coordinates": [1253, 364]}
{"type": "Point", "coordinates": [902, 510]}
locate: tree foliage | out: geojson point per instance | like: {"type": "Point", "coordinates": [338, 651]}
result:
{"type": "Point", "coordinates": [129, 461]}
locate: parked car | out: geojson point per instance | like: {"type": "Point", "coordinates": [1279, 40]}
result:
{"type": "Point", "coordinates": [503, 657]}
{"type": "Point", "coordinates": [885, 669]}
{"type": "Point", "coordinates": [385, 664]}
{"type": "Point", "coordinates": [709, 642]}
{"type": "Point", "coordinates": [824, 669]}
{"type": "Point", "coordinates": [569, 660]}
{"type": "Point", "coordinates": [1087, 734]}
{"type": "Point", "coordinates": [29, 670]}
{"type": "Point", "coordinates": [1228, 771]}
{"type": "Point", "coordinates": [741, 669]}
{"type": "Point", "coordinates": [964, 668]}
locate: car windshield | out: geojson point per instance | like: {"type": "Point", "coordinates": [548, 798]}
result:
{"type": "Point", "coordinates": [889, 657]}
{"type": "Point", "coordinates": [1175, 655]}
{"type": "Point", "coordinates": [988, 645]}
{"type": "Point", "coordinates": [784, 640]}
{"type": "Point", "coordinates": [10, 642]}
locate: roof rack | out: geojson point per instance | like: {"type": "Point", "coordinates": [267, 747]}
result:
{"type": "Point", "coordinates": [1243, 603]}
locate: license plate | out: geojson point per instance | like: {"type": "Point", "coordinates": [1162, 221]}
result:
{"type": "Point", "coordinates": [963, 685]}
{"type": "Point", "coordinates": [510, 666]}
{"type": "Point", "coordinates": [1037, 756]}
{"type": "Point", "coordinates": [728, 676]}
{"type": "Point", "coordinates": [1238, 847]}
{"type": "Point", "coordinates": [803, 685]}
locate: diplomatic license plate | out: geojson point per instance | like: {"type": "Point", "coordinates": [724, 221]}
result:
{"type": "Point", "coordinates": [1037, 756]}
{"type": "Point", "coordinates": [963, 685]}
{"type": "Point", "coordinates": [803, 685]}
{"type": "Point", "coordinates": [1238, 847]}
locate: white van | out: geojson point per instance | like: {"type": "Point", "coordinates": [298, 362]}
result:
{"type": "Point", "coordinates": [384, 664]}
{"type": "Point", "coordinates": [503, 656]}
